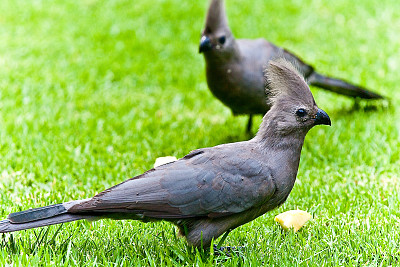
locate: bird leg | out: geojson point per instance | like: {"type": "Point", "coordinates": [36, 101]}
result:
{"type": "Point", "coordinates": [250, 123]}
{"type": "Point", "coordinates": [223, 239]}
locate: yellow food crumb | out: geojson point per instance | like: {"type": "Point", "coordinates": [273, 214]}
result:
{"type": "Point", "coordinates": [293, 219]}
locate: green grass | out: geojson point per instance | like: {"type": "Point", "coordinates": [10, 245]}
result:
{"type": "Point", "coordinates": [91, 92]}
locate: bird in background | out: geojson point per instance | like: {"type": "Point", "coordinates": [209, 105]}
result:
{"type": "Point", "coordinates": [211, 190]}
{"type": "Point", "coordinates": [234, 67]}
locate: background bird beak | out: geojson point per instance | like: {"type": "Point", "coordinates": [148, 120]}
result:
{"type": "Point", "coordinates": [205, 44]}
{"type": "Point", "coordinates": [322, 118]}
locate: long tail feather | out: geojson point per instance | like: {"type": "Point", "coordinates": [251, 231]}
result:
{"type": "Point", "coordinates": [341, 87]}
{"type": "Point", "coordinates": [37, 214]}
{"type": "Point", "coordinates": [7, 226]}
{"type": "Point", "coordinates": [42, 216]}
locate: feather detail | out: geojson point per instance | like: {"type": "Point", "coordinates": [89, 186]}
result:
{"type": "Point", "coordinates": [283, 79]}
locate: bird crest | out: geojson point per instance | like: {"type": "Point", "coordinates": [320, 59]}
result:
{"type": "Point", "coordinates": [284, 80]}
{"type": "Point", "coordinates": [216, 18]}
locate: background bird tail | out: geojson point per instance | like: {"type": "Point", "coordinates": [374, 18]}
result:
{"type": "Point", "coordinates": [39, 217]}
{"type": "Point", "coordinates": [340, 86]}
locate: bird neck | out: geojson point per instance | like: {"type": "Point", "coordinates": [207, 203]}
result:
{"type": "Point", "coordinates": [282, 150]}
{"type": "Point", "coordinates": [270, 138]}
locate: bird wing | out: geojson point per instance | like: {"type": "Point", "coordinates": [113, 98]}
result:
{"type": "Point", "coordinates": [207, 182]}
{"type": "Point", "coordinates": [259, 52]}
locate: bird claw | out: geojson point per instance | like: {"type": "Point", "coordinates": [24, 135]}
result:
{"type": "Point", "coordinates": [227, 251]}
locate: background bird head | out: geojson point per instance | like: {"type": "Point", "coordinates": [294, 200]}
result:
{"type": "Point", "coordinates": [293, 108]}
{"type": "Point", "coordinates": [216, 36]}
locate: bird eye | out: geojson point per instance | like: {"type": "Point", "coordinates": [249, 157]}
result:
{"type": "Point", "coordinates": [222, 40]}
{"type": "Point", "coordinates": [301, 112]}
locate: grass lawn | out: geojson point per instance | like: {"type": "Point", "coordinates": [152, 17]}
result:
{"type": "Point", "coordinates": [91, 92]}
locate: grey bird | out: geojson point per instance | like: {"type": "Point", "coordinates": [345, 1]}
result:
{"type": "Point", "coordinates": [211, 190]}
{"type": "Point", "coordinates": [234, 68]}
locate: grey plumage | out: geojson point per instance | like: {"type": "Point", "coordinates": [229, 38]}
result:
{"type": "Point", "coordinates": [234, 67]}
{"type": "Point", "coordinates": [211, 190]}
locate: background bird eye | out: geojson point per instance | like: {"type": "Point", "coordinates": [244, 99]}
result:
{"type": "Point", "coordinates": [222, 39]}
{"type": "Point", "coordinates": [301, 112]}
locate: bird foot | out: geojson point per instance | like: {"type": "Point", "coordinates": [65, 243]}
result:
{"type": "Point", "coordinates": [227, 251]}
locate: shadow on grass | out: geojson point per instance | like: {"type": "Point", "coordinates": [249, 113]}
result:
{"type": "Point", "coordinates": [73, 247]}
{"type": "Point", "coordinates": [365, 106]}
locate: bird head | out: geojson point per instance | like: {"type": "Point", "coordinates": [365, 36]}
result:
{"type": "Point", "coordinates": [293, 109]}
{"type": "Point", "coordinates": [216, 35]}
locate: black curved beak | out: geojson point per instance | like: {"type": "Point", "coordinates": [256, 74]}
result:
{"type": "Point", "coordinates": [322, 118]}
{"type": "Point", "coordinates": [205, 44]}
